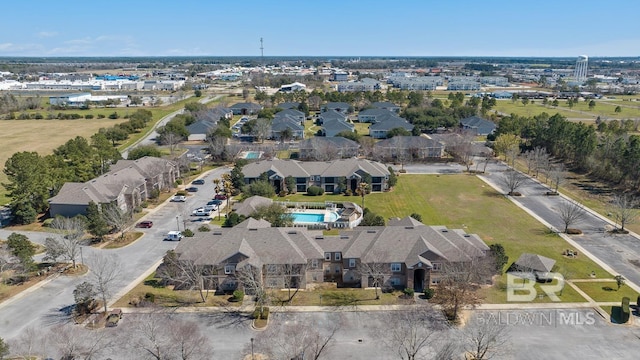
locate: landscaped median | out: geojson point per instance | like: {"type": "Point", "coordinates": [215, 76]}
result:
{"type": "Point", "coordinates": [606, 291]}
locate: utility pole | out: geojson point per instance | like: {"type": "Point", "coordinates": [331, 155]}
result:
{"type": "Point", "coordinates": [261, 51]}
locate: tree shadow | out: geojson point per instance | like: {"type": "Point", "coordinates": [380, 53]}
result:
{"type": "Point", "coordinates": [608, 288]}
{"type": "Point", "coordinates": [155, 283]}
{"type": "Point", "coordinates": [57, 316]}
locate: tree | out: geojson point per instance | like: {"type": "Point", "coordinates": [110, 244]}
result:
{"type": "Point", "coordinates": [620, 281]}
{"type": "Point", "coordinates": [275, 214]}
{"type": "Point", "coordinates": [117, 218]}
{"type": "Point", "coordinates": [29, 183]}
{"type": "Point", "coordinates": [23, 249]}
{"type": "Point", "coordinates": [393, 178]}
{"type": "Point", "coordinates": [96, 224]}
{"type": "Point", "coordinates": [416, 216]}
{"type": "Point", "coordinates": [4, 349]}
{"type": "Point", "coordinates": [485, 338]}
{"type": "Point", "coordinates": [197, 93]}
{"type": "Point", "coordinates": [460, 146]}
{"type": "Point", "coordinates": [290, 183]}
{"type": "Point", "coordinates": [144, 150]}
{"type": "Point", "coordinates": [374, 269]}
{"type": "Point", "coordinates": [252, 280]}
{"type": "Point", "coordinates": [104, 152]}
{"type": "Point", "coordinates": [84, 295]}
{"type": "Point", "coordinates": [592, 104]}
{"type": "Point", "coordinates": [412, 334]}
{"type": "Point", "coordinates": [362, 190]}
{"type": "Point", "coordinates": [557, 175]}
{"type": "Point", "coordinates": [459, 280]}
{"type": "Point", "coordinates": [105, 271]}
{"type": "Point", "coordinates": [505, 143]}
{"type": "Point", "coordinates": [186, 274]}
{"type": "Point", "coordinates": [298, 340]}
{"type": "Point", "coordinates": [571, 213]}
{"type": "Point", "coordinates": [623, 209]}
{"type": "Point", "coordinates": [233, 219]}
{"type": "Point", "coordinates": [499, 255]}
{"type": "Point", "coordinates": [261, 188]}
{"type": "Point", "coordinates": [513, 180]}
{"type": "Point", "coordinates": [618, 109]}
{"type": "Point", "coordinates": [70, 233]}
{"type": "Point", "coordinates": [262, 129]}
{"type": "Point", "coordinates": [74, 342]}
{"type": "Point", "coordinates": [371, 219]}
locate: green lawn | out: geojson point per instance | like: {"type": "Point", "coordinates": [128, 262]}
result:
{"type": "Point", "coordinates": [362, 128]}
{"type": "Point", "coordinates": [497, 294]}
{"type": "Point", "coordinates": [509, 107]}
{"type": "Point", "coordinates": [606, 291]}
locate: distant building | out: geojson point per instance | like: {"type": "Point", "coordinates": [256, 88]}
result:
{"type": "Point", "coordinates": [478, 125]}
{"type": "Point", "coordinates": [296, 86]}
{"type": "Point", "coordinates": [245, 108]}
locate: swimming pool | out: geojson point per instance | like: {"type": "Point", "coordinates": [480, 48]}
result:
{"type": "Point", "coordinates": [253, 155]}
{"type": "Point", "coordinates": [311, 218]}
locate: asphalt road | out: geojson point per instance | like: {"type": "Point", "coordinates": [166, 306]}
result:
{"type": "Point", "coordinates": [50, 303]}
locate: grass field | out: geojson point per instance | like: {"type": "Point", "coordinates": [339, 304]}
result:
{"type": "Point", "coordinates": [509, 107]}
{"type": "Point", "coordinates": [606, 291]}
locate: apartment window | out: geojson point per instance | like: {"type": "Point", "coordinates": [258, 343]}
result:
{"type": "Point", "coordinates": [229, 269]}
{"type": "Point", "coordinates": [435, 281]}
{"type": "Point", "coordinates": [352, 263]}
{"type": "Point", "coordinates": [314, 263]}
{"type": "Point", "coordinates": [394, 282]}
{"type": "Point", "coordinates": [337, 257]}
{"type": "Point", "coordinates": [327, 256]}
{"type": "Point", "coordinates": [337, 269]}
{"type": "Point", "coordinates": [396, 267]}
{"type": "Point", "coordinates": [437, 267]}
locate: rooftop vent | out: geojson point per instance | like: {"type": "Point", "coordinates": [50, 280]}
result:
{"type": "Point", "coordinates": [371, 231]}
{"type": "Point", "coordinates": [217, 233]}
{"type": "Point", "coordinates": [466, 235]}
{"type": "Point", "coordinates": [445, 230]}
{"type": "Point", "coordinates": [344, 237]}
{"type": "Point", "coordinates": [319, 237]}
{"type": "Point", "coordinates": [253, 229]}
{"type": "Point", "coordinates": [409, 227]}
{"type": "Point", "coordinates": [292, 232]}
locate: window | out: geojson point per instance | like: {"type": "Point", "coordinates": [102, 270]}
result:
{"type": "Point", "coordinates": [314, 263]}
{"type": "Point", "coordinates": [437, 267]}
{"type": "Point", "coordinates": [327, 256]}
{"type": "Point", "coordinates": [329, 180]}
{"type": "Point", "coordinates": [396, 267]}
{"type": "Point", "coordinates": [435, 281]}
{"type": "Point", "coordinates": [337, 257]}
{"type": "Point", "coordinates": [273, 283]}
{"type": "Point", "coordinates": [394, 281]}
{"type": "Point", "coordinates": [337, 269]}
{"type": "Point", "coordinates": [376, 179]}
{"type": "Point", "coordinates": [229, 269]}
{"type": "Point", "coordinates": [352, 263]}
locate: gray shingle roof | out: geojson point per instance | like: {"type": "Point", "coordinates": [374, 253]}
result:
{"type": "Point", "coordinates": [342, 167]}
{"type": "Point", "coordinates": [321, 142]}
{"type": "Point", "coordinates": [408, 142]}
{"type": "Point", "coordinates": [391, 123]}
{"type": "Point", "coordinates": [249, 205]}
{"type": "Point", "coordinates": [289, 105]}
{"type": "Point", "coordinates": [246, 105]}
{"type": "Point", "coordinates": [482, 126]}
{"type": "Point", "coordinates": [535, 262]}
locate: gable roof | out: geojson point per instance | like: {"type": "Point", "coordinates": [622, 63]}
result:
{"type": "Point", "coordinates": [319, 142]}
{"type": "Point", "coordinates": [285, 122]}
{"type": "Point", "coordinates": [246, 105]}
{"type": "Point", "coordinates": [331, 115]}
{"type": "Point", "coordinates": [384, 104]}
{"type": "Point", "coordinates": [408, 142]}
{"type": "Point", "coordinates": [201, 127]}
{"type": "Point", "coordinates": [289, 112]}
{"type": "Point", "coordinates": [336, 126]}
{"type": "Point", "coordinates": [535, 262]}
{"type": "Point", "coordinates": [336, 105]}
{"type": "Point", "coordinates": [249, 205]}
{"type": "Point", "coordinates": [391, 123]}
{"type": "Point", "coordinates": [342, 167]}
{"type": "Point", "coordinates": [289, 105]}
{"type": "Point", "coordinates": [482, 126]}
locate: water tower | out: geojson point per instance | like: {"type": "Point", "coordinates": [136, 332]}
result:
{"type": "Point", "coordinates": [580, 73]}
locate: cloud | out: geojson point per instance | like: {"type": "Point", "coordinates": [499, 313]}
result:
{"type": "Point", "coordinates": [46, 34]}
{"type": "Point", "coordinates": [6, 46]}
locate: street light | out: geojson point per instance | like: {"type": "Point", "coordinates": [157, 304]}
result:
{"type": "Point", "coordinates": [251, 348]}
{"type": "Point", "coordinates": [178, 223]}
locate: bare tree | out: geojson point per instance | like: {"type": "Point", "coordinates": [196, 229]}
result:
{"type": "Point", "coordinates": [284, 275]}
{"type": "Point", "coordinates": [367, 145]}
{"type": "Point", "coordinates": [30, 344]}
{"type": "Point", "coordinates": [541, 158]}
{"type": "Point", "coordinates": [78, 343]}
{"type": "Point", "coordinates": [459, 282]}
{"type": "Point", "coordinates": [105, 270]}
{"type": "Point", "coordinates": [571, 213]}
{"type": "Point", "coordinates": [188, 341]}
{"type": "Point", "coordinates": [251, 279]}
{"type": "Point", "coordinates": [150, 335]}
{"type": "Point", "coordinates": [531, 161]}
{"type": "Point", "coordinates": [512, 179]}
{"type": "Point", "coordinates": [623, 209]}
{"type": "Point", "coordinates": [70, 234]}
{"type": "Point", "coordinates": [412, 334]}
{"type": "Point", "coordinates": [557, 176]}
{"type": "Point", "coordinates": [460, 146]}
{"type": "Point", "coordinates": [117, 218]}
{"type": "Point", "coordinates": [374, 269]}
{"type": "Point", "coordinates": [298, 339]}
{"type": "Point", "coordinates": [262, 129]}
{"type": "Point", "coordinates": [185, 274]}
{"type": "Point", "coordinates": [485, 338]}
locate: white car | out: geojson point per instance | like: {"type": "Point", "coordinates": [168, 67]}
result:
{"type": "Point", "coordinates": [174, 236]}
{"type": "Point", "coordinates": [201, 212]}
{"type": "Point", "coordinates": [179, 198]}
{"type": "Point", "coordinates": [210, 208]}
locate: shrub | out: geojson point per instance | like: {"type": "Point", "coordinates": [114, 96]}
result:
{"type": "Point", "coordinates": [47, 223]}
{"type": "Point", "coordinates": [114, 115]}
{"type": "Point", "coordinates": [204, 228]}
{"type": "Point", "coordinates": [315, 191]}
{"type": "Point", "coordinates": [144, 205]}
{"type": "Point", "coordinates": [348, 192]}
{"type": "Point", "coordinates": [624, 311]}
{"type": "Point", "coordinates": [238, 295]}
{"type": "Point", "coordinates": [101, 116]}
{"type": "Point", "coordinates": [181, 193]}
{"type": "Point", "coordinates": [150, 297]}
{"type": "Point", "coordinates": [187, 233]}
{"type": "Point", "coordinates": [282, 193]}
{"type": "Point", "coordinates": [409, 292]}
{"type": "Point", "coordinates": [263, 316]}
{"type": "Point", "coordinates": [428, 293]}
{"type": "Point", "coordinates": [88, 116]}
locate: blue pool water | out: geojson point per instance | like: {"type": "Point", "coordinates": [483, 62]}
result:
{"type": "Point", "coordinates": [313, 218]}
{"type": "Point", "coordinates": [252, 155]}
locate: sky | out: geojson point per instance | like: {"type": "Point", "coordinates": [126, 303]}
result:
{"type": "Point", "coordinates": [512, 28]}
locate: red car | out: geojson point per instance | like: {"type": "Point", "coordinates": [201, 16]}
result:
{"type": "Point", "coordinates": [220, 197]}
{"type": "Point", "coordinates": [145, 224]}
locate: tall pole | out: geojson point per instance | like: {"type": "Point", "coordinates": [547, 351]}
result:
{"type": "Point", "coordinates": [261, 51]}
{"type": "Point", "coordinates": [178, 223]}
{"type": "Point", "coordinates": [251, 348]}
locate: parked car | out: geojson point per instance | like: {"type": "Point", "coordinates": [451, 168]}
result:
{"type": "Point", "coordinates": [114, 316]}
{"type": "Point", "coordinates": [179, 198]}
{"type": "Point", "coordinates": [173, 236]}
{"type": "Point", "coordinates": [192, 189]}
{"type": "Point", "coordinates": [201, 212]}
{"type": "Point", "coordinates": [145, 224]}
{"type": "Point", "coordinates": [220, 197]}
{"type": "Point", "coordinates": [211, 208]}
{"type": "Point", "coordinates": [215, 202]}
{"type": "Point", "coordinates": [197, 182]}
